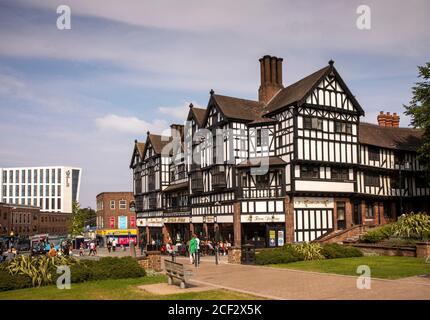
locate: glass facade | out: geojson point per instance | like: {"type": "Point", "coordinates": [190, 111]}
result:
{"type": "Point", "coordinates": [42, 187]}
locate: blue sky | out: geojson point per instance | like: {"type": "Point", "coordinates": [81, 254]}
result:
{"type": "Point", "coordinates": [80, 97]}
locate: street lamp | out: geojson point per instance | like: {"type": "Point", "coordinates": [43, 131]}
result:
{"type": "Point", "coordinates": [404, 164]}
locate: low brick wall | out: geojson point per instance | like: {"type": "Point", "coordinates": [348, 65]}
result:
{"type": "Point", "coordinates": [234, 255]}
{"type": "Point", "coordinates": [151, 261]}
{"type": "Point", "coordinates": [381, 250]}
{"type": "Point", "coordinates": [423, 249]}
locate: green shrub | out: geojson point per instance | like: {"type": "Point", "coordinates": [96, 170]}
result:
{"type": "Point", "coordinates": [309, 251]}
{"type": "Point", "coordinates": [379, 234]}
{"type": "Point", "coordinates": [39, 271]}
{"type": "Point", "coordinates": [285, 254]}
{"type": "Point", "coordinates": [334, 251]}
{"type": "Point", "coordinates": [13, 282]}
{"type": "Point", "coordinates": [412, 225]}
{"type": "Point", "coordinates": [107, 268]}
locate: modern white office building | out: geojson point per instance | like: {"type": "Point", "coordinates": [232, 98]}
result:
{"type": "Point", "coordinates": [52, 189]}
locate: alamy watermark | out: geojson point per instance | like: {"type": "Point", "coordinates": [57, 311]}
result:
{"type": "Point", "coordinates": [64, 21]}
{"type": "Point", "coordinates": [364, 280]}
{"type": "Point", "coordinates": [64, 278]}
{"type": "Point", "coordinates": [204, 147]}
{"type": "Point", "coordinates": [364, 20]}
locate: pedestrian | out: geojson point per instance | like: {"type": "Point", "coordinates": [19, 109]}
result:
{"type": "Point", "coordinates": [8, 255]}
{"type": "Point", "coordinates": [52, 252]}
{"type": "Point", "coordinates": [81, 249]}
{"type": "Point", "coordinates": [92, 248]}
{"type": "Point", "coordinates": [193, 248]}
{"type": "Point", "coordinates": [197, 249]}
{"type": "Point", "coordinates": [109, 246]}
{"type": "Point", "coordinates": [114, 244]}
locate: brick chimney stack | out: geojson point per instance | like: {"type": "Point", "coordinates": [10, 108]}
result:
{"type": "Point", "coordinates": [388, 120]}
{"type": "Point", "coordinates": [396, 120]}
{"type": "Point", "coordinates": [381, 119]}
{"type": "Point", "coordinates": [271, 77]}
{"type": "Point", "coordinates": [177, 130]}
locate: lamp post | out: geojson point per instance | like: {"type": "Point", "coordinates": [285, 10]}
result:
{"type": "Point", "coordinates": [404, 164]}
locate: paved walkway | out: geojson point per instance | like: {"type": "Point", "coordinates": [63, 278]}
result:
{"type": "Point", "coordinates": [277, 283]}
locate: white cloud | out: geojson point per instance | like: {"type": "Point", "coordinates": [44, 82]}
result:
{"type": "Point", "coordinates": [129, 124]}
{"type": "Point", "coordinates": [179, 112]}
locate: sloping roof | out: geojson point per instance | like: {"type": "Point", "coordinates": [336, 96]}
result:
{"type": "Point", "coordinates": [262, 121]}
{"type": "Point", "coordinates": [158, 142]}
{"type": "Point", "coordinates": [199, 115]}
{"type": "Point", "coordinates": [140, 147]}
{"type": "Point", "coordinates": [273, 161]}
{"type": "Point", "coordinates": [407, 139]}
{"type": "Point", "coordinates": [240, 109]}
{"type": "Point", "coordinates": [297, 91]}
{"type": "Point", "coordinates": [176, 187]}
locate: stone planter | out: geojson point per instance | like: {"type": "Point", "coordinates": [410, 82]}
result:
{"type": "Point", "coordinates": [152, 260]}
{"type": "Point", "coordinates": [235, 255]}
{"type": "Point", "coordinates": [423, 249]}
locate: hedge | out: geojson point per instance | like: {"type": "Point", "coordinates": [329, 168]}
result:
{"type": "Point", "coordinates": [289, 253]}
{"type": "Point", "coordinates": [334, 251]}
{"type": "Point", "coordinates": [379, 234]}
{"type": "Point", "coordinates": [86, 270]}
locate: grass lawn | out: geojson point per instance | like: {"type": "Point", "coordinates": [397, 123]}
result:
{"type": "Point", "coordinates": [380, 266]}
{"type": "Point", "coordinates": [120, 289]}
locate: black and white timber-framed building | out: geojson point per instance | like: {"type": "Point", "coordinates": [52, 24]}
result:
{"type": "Point", "coordinates": [293, 166]}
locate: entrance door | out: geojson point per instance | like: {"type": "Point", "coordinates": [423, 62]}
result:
{"type": "Point", "coordinates": [340, 213]}
{"type": "Point", "coordinates": [356, 213]}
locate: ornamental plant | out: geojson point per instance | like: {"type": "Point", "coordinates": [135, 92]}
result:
{"type": "Point", "coordinates": [412, 226]}
{"type": "Point", "coordinates": [309, 251]}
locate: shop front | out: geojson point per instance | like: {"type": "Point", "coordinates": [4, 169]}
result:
{"type": "Point", "coordinates": [263, 231]}
{"type": "Point", "coordinates": [151, 232]}
{"type": "Point", "coordinates": [121, 236]}
{"type": "Point", "coordinates": [178, 229]}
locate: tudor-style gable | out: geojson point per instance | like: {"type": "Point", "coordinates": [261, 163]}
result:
{"type": "Point", "coordinates": [324, 88]}
{"type": "Point", "coordinates": [137, 155]}
{"type": "Point", "coordinates": [332, 92]}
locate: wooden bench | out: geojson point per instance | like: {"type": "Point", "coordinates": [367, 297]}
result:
{"type": "Point", "coordinates": [175, 270]}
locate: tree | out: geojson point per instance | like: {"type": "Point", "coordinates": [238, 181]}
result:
{"type": "Point", "coordinates": [81, 217]}
{"type": "Point", "coordinates": [419, 110]}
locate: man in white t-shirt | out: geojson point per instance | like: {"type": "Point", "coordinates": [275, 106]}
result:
{"type": "Point", "coordinates": [198, 249]}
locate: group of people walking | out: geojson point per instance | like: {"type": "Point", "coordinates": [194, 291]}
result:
{"type": "Point", "coordinates": [196, 248]}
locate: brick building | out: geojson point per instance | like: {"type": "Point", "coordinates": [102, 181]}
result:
{"type": "Point", "coordinates": [29, 220]}
{"type": "Point", "coordinates": [116, 217]}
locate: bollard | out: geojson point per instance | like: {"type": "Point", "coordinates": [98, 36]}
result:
{"type": "Point", "coordinates": [216, 254]}
{"type": "Point", "coordinates": [132, 249]}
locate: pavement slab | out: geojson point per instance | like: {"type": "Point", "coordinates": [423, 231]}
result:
{"type": "Point", "coordinates": [278, 283]}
